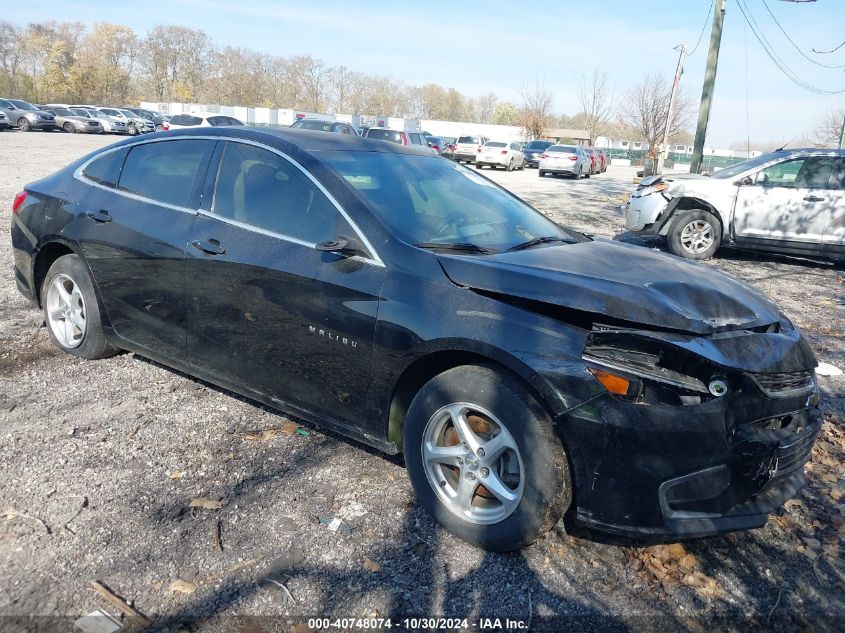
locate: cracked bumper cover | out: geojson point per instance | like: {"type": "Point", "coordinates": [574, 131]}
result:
{"type": "Point", "coordinates": [687, 471]}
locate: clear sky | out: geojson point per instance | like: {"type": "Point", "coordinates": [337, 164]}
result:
{"type": "Point", "coordinates": [494, 46]}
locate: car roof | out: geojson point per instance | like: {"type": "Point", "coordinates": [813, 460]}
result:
{"type": "Point", "coordinates": [832, 151]}
{"type": "Point", "coordinates": [305, 140]}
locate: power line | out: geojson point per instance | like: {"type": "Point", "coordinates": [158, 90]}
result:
{"type": "Point", "coordinates": [795, 46]}
{"type": "Point", "coordinates": [703, 28]}
{"type": "Point", "coordinates": [832, 50]}
{"type": "Point", "coordinates": [770, 51]}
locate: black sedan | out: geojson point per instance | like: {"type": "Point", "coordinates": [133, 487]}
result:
{"type": "Point", "coordinates": [534, 150]}
{"type": "Point", "coordinates": [394, 296]}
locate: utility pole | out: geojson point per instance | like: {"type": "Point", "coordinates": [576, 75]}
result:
{"type": "Point", "coordinates": [707, 90]}
{"type": "Point", "coordinates": [664, 148]}
{"type": "Point", "coordinates": [842, 135]}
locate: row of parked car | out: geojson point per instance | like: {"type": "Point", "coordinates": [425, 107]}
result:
{"type": "Point", "coordinates": [78, 118]}
{"type": "Point", "coordinates": [92, 119]}
{"type": "Point", "coordinates": [550, 158]}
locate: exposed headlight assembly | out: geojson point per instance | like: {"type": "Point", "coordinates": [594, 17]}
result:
{"type": "Point", "coordinates": [648, 372]}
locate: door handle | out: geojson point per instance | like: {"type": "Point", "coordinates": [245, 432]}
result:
{"type": "Point", "coordinates": [100, 216]}
{"type": "Point", "coordinates": [210, 247]}
{"type": "Point", "coordinates": [812, 198]}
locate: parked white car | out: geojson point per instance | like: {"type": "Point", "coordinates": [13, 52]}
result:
{"type": "Point", "coordinates": [787, 201]}
{"type": "Point", "coordinates": [569, 160]}
{"type": "Point", "coordinates": [499, 154]}
{"type": "Point", "coordinates": [199, 119]}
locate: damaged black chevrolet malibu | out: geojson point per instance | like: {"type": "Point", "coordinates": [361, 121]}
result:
{"type": "Point", "coordinates": [523, 369]}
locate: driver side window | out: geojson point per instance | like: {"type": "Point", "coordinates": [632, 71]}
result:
{"type": "Point", "coordinates": [260, 188]}
{"type": "Point", "coordinates": [781, 174]}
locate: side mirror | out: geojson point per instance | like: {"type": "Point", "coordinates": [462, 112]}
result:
{"type": "Point", "coordinates": [346, 246]}
{"type": "Point", "coordinates": [748, 180]}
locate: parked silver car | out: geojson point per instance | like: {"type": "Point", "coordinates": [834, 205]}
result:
{"type": "Point", "coordinates": [72, 122]}
{"type": "Point", "coordinates": [111, 124]}
{"type": "Point", "coordinates": [569, 160]}
{"type": "Point", "coordinates": [786, 201]}
{"type": "Point", "coordinates": [26, 116]}
{"type": "Point", "coordinates": [4, 122]}
{"type": "Point", "coordinates": [134, 123]}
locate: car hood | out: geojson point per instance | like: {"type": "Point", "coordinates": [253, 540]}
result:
{"type": "Point", "coordinates": [620, 282]}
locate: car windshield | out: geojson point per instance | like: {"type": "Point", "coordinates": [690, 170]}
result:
{"type": "Point", "coordinates": [63, 112]}
{"type": "Point", "coordinates": [81, 112]}
{"type": "Point", "coordinates": [494, 144]}
{"type": "Point", "coordinates": [23, 105]}
{"type": "Point", "coordinates": [751, 163]}
{"type": "Point", "coordinates": [538, 145]}
{"type": "Point", "coordinates": [468, 139]}
{"type": "Point", "coordinates": [385, 135]}
{"type": "Point", "coordinates": [433, 202]}
{"type": "Point", "coordinates": [129, 114]}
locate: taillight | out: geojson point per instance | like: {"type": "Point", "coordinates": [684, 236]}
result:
{"type": "Point", "coordinates": [544, 155]}
{"type": "Point", "coordinates": [18, 201]}
{"type": "Point", "coordinates": [573, 158]}
{"type": "Point", "coordinates": [504, 151]}
{"type": "Point", "coordinates": [437, 147]}
{"type": "Point", "coordinates": [165, 126]}
{"type": "Point", "coordinates": [478, 151]}
{"type": "Point", "coordinates": [404, 138]}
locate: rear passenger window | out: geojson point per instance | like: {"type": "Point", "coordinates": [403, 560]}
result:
{"type": "Point", "coordinates": [105, 169]}
{"type": "Point", "coordinates": [164, 171]}
{"type": "Point", "coordinates": [260, 188]}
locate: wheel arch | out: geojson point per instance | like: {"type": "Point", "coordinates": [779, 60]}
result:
{"type": "Point", "coordinates": [429, 364]}
{"type": "Point", "coordinates": [48, 253]}
{"type": "Point", "coordinates": [690, 203]}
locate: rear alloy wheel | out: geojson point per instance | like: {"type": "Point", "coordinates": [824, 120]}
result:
{"type": "Point", "coordinates": [133, 131]}
{"type": "Point", "coordinates": [695, 235]}
{"type": "Point", "coordinates": [72, 312]}
{"type": "Point", "coordinates": [510, 165]}
{"type": "Point", "coordinates": [484, 459]}
{"type": "Point", "coordinates": [69, 128]}
{"type": "Point", "coordinates": [24, 125]}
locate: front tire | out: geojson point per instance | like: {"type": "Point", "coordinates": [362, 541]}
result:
{"type": "Point", "coordinates": [483, 458]}
{"type": "Point", "coordinates": [69, 128]}
{"type": "Point", "coordinates": [72, 312]}
{"type": "Point", "coordinates": [695, 235]}
{"type": "Point", "coordinates": [24, 125]}
{"type": "Point", "coordinates": [541, 173]}
{"type": "Point", "coordinates": [133, 131]}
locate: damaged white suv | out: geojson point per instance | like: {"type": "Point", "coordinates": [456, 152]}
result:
{"type": "Point", "coordinates": [787, 201]}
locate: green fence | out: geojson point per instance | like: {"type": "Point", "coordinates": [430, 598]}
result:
{"type": "Point", "coordinates": [709, 162]}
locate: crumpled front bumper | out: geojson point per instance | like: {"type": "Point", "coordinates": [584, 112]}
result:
{"type": "Point", "coordinates": [684, 471]}
{"type": "Point", "coordinates": [642, 212]}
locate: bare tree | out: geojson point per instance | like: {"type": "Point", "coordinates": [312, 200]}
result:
{"type": "Point", "coordinates": [828, 127]}
{"type": "Point", "coordinates": [537, 102]}
{"type": "Point", "coordinates": [644, 110]}
{"type": "Point", "coordinates": [485, 106]}
{"type": "Point", "coordinates": [596, 99]}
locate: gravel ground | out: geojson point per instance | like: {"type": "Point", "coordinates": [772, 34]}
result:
{"type": "Point", "coordinates": [100, 462]}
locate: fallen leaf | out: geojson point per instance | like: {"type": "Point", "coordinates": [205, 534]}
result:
{"type": "Point", "coordinates": [245, 564]}
{"type": "Point", "coordinates": [371, 565]}
{"type": "Point", "coordinates": [182, 586]}
{"type": "Point", "coordinates": [676, 549]}
{"type": "Point", "coordinates": [836, 494]}
{"type": "Point", "coordinates": [287, 428]}
{"type": "Point", "coordinates": [177, 475]}
{"type": "Point", "coordinates": [206, 504]}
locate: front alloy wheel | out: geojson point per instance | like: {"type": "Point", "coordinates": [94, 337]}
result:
{"type": "Point", "coordinates": [484, 459]}
{"type": "Point", "coordinates": [472, 462]}
{"type": "Point", "coordinates": [695, 235]}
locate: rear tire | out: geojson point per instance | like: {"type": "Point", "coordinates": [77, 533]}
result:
{"type": "Point", "coordinates": [72, 312]}
{"type": "Point", "coordinates": [479, 166]}
{"type": "Point", "coordinates": [502, 501]}
{"type": "Point", "coordinates": [510, 165]}
{"type": "Point", "coordinates": [695, 235]}
{"type": "Point", "coordinates": [69, 128]}
{"type": "Point", "coordinates": [541, 173]}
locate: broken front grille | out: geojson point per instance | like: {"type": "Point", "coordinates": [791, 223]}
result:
{"type": "Point", "coordinates": [785, 384]}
